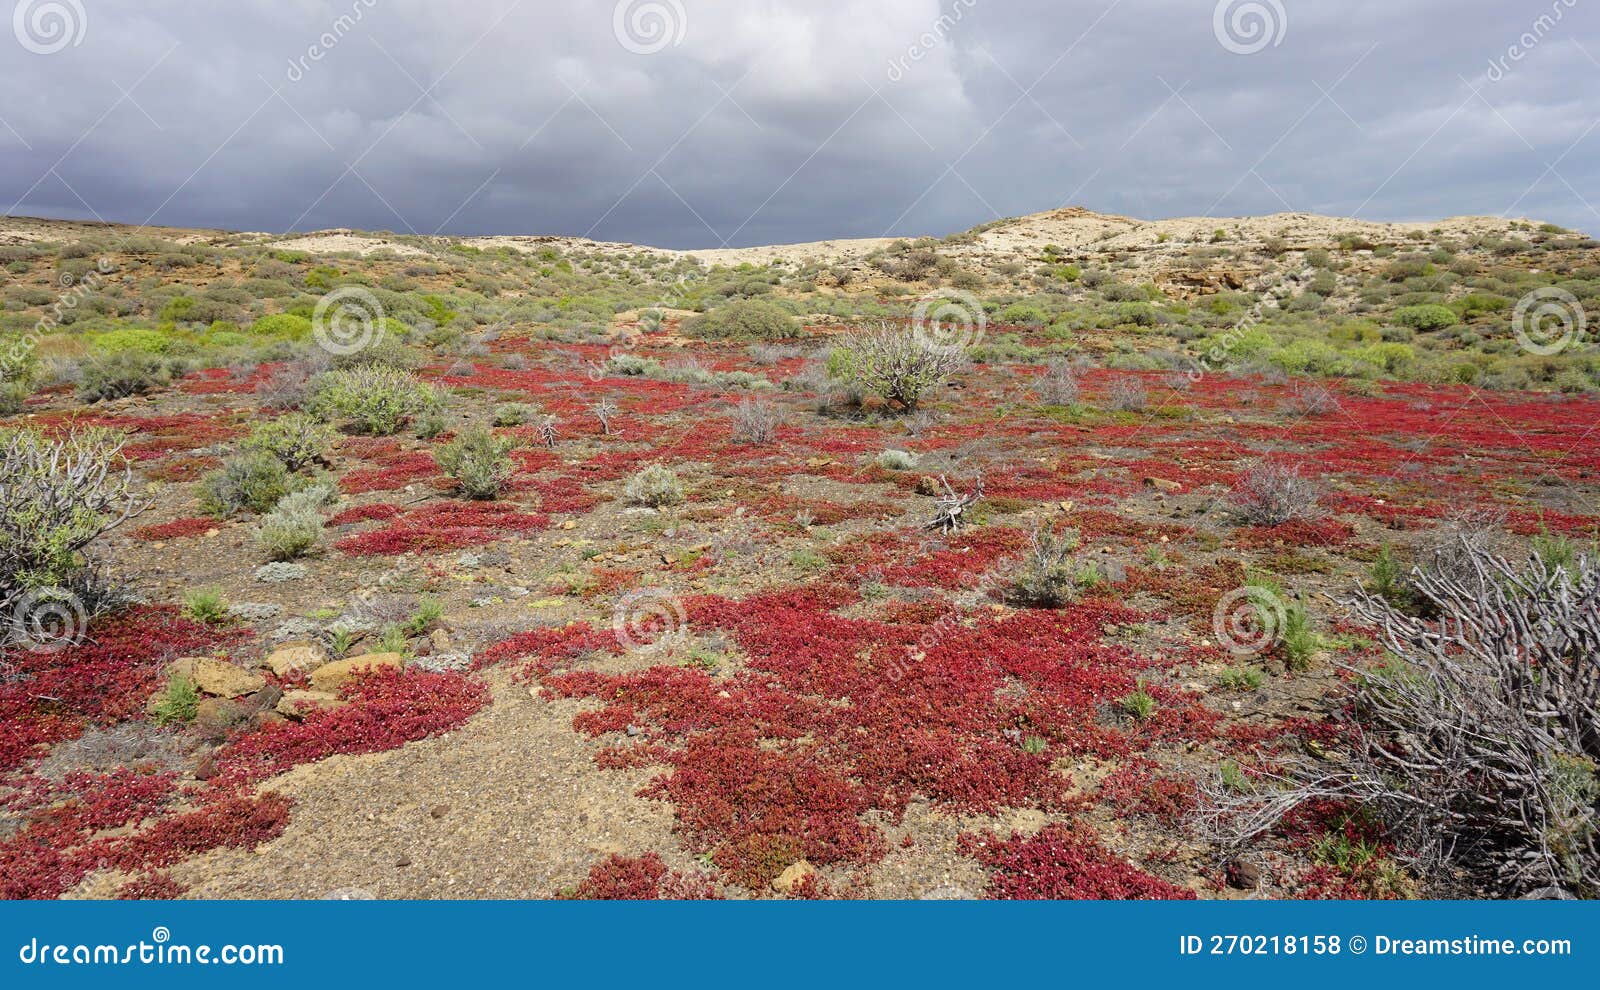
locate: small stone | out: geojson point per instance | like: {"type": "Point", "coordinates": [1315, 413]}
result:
{"type": "Point", "coordinates": [1162, 484]}
{"type": "Point", "coordinates": [439, 810]}
{"type": "Point", "coordinates": [330, 677]}
{"type": "Point", "coordinates": [1243, 875]}
{"type": "Point", "coordinates": [205, 768]}
{"type": "Point", "coordinates": [440, 640]}
{"type": "Point", "coordinates": [791, 877]}
{"type": "Point", "coordinates": [403, 860]}
{"type": "Point", "coordinates": [633, 730]}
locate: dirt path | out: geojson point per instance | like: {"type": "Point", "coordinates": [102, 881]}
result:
{"type": "Point", "coordinates": [509, 806]}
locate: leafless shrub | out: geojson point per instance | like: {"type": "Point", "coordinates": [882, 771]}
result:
{"type": "Point", "coordinates": [1127, 395]}
{"type": "Point", "coordinates": [1459, 538]}
{"type": "Point", "coordinates": [288, 386]}
{"type": "Point", "coordinates": [756, 422]}
{"type": "Point", "coordinates": [1270, 494]}
{"type": "Point", "coordinates": [1311, 399]}
{"type": "Point", "coordinates": [56, 497]}
{"type": "Point", "coordinates": [950, 514]}
{"type": "Point", "coordinates": [548, 434]}
{"type": "Point", "coordinates": [899, 365]}
{"type": "Point", "coordinates": [1478, 744]}
{"type": "Point", "coordinates": [1045, 575]}
{"type": "Point", "coordinates": [768, 354]}
{"type": "Point", "coordinates": [605, 411]}
{"type": "Point", "coordinates": [1058, 386]}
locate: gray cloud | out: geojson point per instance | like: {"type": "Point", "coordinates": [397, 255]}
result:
{"type": "Point", "coordinates": [781, 120]}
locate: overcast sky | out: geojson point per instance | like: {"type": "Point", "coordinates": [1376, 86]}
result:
{"type": "Point", "coordinates": [698, 123]}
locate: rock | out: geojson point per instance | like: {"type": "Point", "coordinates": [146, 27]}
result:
{"type": "Point", "coordinates": [279, 572]}
{"type": "Point", "coordinates": [255, 611]}
{"type": "Point", "coordinates": [439, 662]}
{"type": "Point", "coordinates": [296, 659]}
{"type": "Point", "coordinates": [440, 641]}
{"type": "Point", "coordinates": [218, 678]}
{"type": "Point", "coordinates": [402, 860]}
{"type": "Point", "coordinates": [440, 810]}
{"type": "Point", "coordinates": [1243, 875]}
{"type": "Point", "coordinates": [205, 768]}
{"type": "Point", "coordinates": [265, 699]}
{"type": "Point", "coordinates": [299, 704]}
{"type": "Point", "coordinates": [791, 877]}
{"type": "Point", "coordinates": [330, 677]}
{"type": "Point", "coordinates": [1162, 484]}
{"type": "Point", "coordinates": [216, 718]}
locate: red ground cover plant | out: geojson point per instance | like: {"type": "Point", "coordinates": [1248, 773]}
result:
{"type": "Point", "coordinates": [387, 709]}
{"type": "Point", "coordinates": [88, 822]}
{"type": "Point", "coordinates": [641, 878]}
{"type": "Point", "coordinates": [443, 526]}
{"type": "Point", "coordinates": [395, 471]}
{"type": "Point", "coordinates": [48, 697]}
{"type": "Point", "coordinates": [1062, 862]}
{"type": "Point", "coordinates": [840, 716]}
{"type": "Point", "coordinates": [377, 512]}
{"type": "Point", "coordinates": [174, 530]}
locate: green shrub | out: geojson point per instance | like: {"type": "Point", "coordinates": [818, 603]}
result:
{"type": "Point", "coordinates": [122, 374]}
{"type": "Point", "coordinates": [296, 439]}
{"type": "Point", "coordinates": [294, 526]}
{"type": "Point", "coordinates": [513, 413]}
{"type": "Point", "coordinates": [897, 460]}
{"type": "Point", "coordinates": [252, 482]}
{"type": "Point", "coordinates": [655, 486]}
{"type": "Point", "coordinates": [180, 702]}
{"type": "Point", "coordinates": [744, 319]}
{"type": "Point", "coordinates": [206, 605]}
{"type": "Point", "coordinates": [379, 399]}
{"type": "Point", "coordinates": [1429, 316]}
{"type": "Point", "coordinates": [479, 462]}
{"type": "Point", "coordinates": [286, 326]}
{"type": "Point", "coordinates": [133, 339]}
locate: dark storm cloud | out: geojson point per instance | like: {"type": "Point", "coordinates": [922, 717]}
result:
{"type": "Point", "coordinates": [780, 120]}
